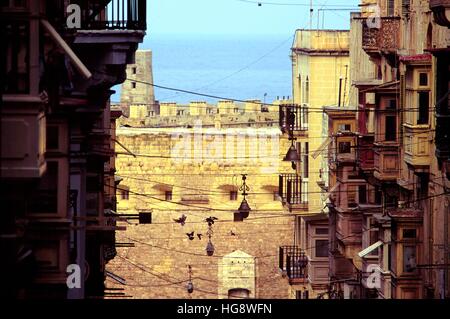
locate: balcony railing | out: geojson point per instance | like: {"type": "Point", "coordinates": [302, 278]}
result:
{"type": "Point", "coordinates": [293, 118]}
{"type": "Point", "coordinates": [290, 189]}
{"type": "Point", "coordinates": [293, 261]}
{"type": "Point", "coordinates": [384, 38]}
{"type": "Point", "coordinates": [104, 14]}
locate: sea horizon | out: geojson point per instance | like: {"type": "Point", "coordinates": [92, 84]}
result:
{"type": "Point", "coordinates": [230, 66]}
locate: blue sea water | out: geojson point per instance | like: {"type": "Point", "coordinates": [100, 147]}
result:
{"type": "Point", "coordinates": [233, 66]}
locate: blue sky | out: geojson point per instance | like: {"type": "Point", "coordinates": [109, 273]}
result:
{"type": "Point", "coordinates": [242, 17]}
{"type": "Point", "coordinates": [231, 48]}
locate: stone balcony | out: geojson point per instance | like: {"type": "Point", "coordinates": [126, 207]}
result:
{"type": "Point", "coordinates": [385, 39]}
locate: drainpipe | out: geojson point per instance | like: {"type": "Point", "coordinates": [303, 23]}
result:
{"type": "Point", "coordinates": [446, 252]}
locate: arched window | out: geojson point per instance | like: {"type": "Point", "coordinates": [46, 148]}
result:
{"type": "Point", "coordinates": [306, 97]}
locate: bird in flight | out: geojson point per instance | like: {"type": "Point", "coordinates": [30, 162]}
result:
{"type": "Point", "coordinates": [181, 220]}
{"type": "Point", "coordinates": [190, 235]}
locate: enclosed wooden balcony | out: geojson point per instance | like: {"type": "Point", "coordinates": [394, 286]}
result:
{"type": "Point", "coordinates": [343, 150]}
{"type": "Point", "coordinates": [387, 161]}
{"type": "Point", "coordinates": [385, 39]}
{"type": "Point", "coordinates": [417, 145]}
{"type": "Point", "coordinates": [365, 154]}
{"type": "Point", "coordinates": [292, 191]}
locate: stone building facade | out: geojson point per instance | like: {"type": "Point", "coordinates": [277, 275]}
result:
{"type": "Point", "coordinates": [172, 172]}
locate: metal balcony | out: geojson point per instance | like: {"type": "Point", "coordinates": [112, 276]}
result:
{"type": "Point", "coordinates": [104, 14]}
{"type": "Point", "coordinates": [293, 118]}
{"type": "Point", "coordinates": [290, 191]}
{"type": "Point", "coordinates": [294, 262]}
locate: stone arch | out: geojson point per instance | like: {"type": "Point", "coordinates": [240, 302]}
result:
{"type": "Point", "coordinates": [238, 293]}
{"type": "Point", "coordinates": [237, 274]}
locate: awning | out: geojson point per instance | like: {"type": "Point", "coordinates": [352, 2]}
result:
{"type": "Point", "coordinates": [322, 148]}
{"type": "Point", "coordinates": [369, 249]}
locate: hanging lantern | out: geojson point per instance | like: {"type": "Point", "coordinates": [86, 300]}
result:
{"type": "Point", "coordinates": [292, 154]}
{"type": "Point", "coordinates": [210, 248]}
{"type": "Point", "coordinates": [244, 209]}
{"type": "Point", "coordinates": [190, 287]}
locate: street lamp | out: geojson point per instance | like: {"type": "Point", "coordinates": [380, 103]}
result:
{"type": "Point", "coordinates": [244, 209]}
{"type": "Point", "coordinates": [209, 233]}
{"type": "Point", "coordinates": [292, 154]}
{"type": "Point", "coordinates": [190, 285]}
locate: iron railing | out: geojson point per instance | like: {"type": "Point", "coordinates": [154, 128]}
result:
{"type": "Point", "coordinates": [290, 189]}
{"type": "Point", "coordinates": [102, 14]}
{"type": "Point", "coordinates": [293, 117]}
{"type": "Point", "coordinates": [293, 261]}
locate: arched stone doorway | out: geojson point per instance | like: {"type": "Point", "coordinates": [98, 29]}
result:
{"type": "Point", "coordinates": [238, 293]}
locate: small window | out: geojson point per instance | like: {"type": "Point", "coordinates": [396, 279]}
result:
{"type": "Point", "coordinates": [321, 231]}
{"type": "Point", "coordinates": [423, 79]}
{"type": "Point", "coordinates": [124, 193]}
{"type": "Point", "coordinates": [392, 104]}
{"type": "Point", "coordinates": [409, 233]}
{"type": "Point", "coordinates": [134, 70]}
{"type": "Point", "coordinates": [168, 195]}
{"type": "Point", "coordinates": [52, 137]}
{"type": "Point", "coordinates": [391, 128]}
{"type": "Point", "coordinates": [390, 7]}
{"type": "Point", "coordinates": [362, 194]}
{"type": "Point", "coordinates": [321, 248]}
{"type": "Point", "coordinates": [233, 195]}
{"type": "Point", "coordinates": [409, 259]}
{"type": "Point", "coordinates": [374, 237]}
{"type": "Point", "coordinates": [424, 107]}
{"type": "Point", "coordinates": [133, 85]}
{"type": "Point", "coordinates": [345, 147]}
{"type": "Point", "coordinates": [345, 128]}
{"type": "Point", "coordinates": [145, 218]}
{"type": "Point", "coordinates": [306, 161]}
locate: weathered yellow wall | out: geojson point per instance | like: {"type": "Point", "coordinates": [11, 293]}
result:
{"type": "Point", "coordinates": [163, 250]}
{"type": "Point", "coordinates": [314, 59]}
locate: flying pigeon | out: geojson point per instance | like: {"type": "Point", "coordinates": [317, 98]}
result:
{"type": "Point", "coordinates": [190, 235]}
{"type": "Point", "coordinates": [232, 233]}
{"type": "Point", "coordinates": [181, 220]}
{"type": "Point", "coordinates": [199, 236]}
